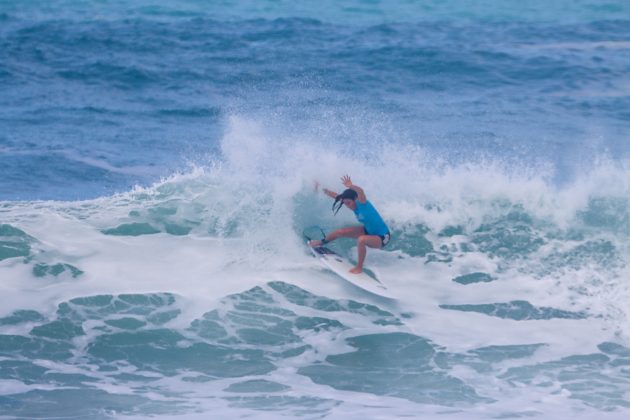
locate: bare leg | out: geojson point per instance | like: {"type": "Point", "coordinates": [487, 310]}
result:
{"type": "Point", "coordinates": [363, 241]}
{"type": "Point", "coordinates": [349, 232]}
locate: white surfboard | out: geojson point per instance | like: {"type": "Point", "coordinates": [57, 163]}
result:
{"type": "Point", "coordinates": [341, 266]}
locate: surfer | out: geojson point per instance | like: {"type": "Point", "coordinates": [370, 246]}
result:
{"type": "Point", "coordinates": [373, 231]}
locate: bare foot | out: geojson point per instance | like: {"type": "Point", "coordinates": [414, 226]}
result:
{"type": "Point", "coordinates": [356, 270]}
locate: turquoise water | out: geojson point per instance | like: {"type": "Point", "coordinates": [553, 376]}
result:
{"type": "Point", "coordinates": [157, 161]}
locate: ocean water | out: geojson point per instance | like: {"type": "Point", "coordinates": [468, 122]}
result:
{"type": "Point", "coordinates": [156, 169]}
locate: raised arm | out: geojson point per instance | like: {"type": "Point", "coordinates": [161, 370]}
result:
{"type": "Point", "coordinates": [347, 182]}
{"type": "Point", "coordinates": [330, 193]}
{"type": "Point", "coordinates": [326, 191]}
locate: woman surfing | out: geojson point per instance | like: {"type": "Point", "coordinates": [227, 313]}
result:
{"type": "Point", "coordinates": [373, 231]}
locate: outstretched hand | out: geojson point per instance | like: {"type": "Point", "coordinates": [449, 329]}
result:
{"type": "Point", "coordinates": [346, 181]}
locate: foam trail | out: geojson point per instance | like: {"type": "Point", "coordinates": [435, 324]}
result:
{"type": "Point", "coordinates": [504, 281]}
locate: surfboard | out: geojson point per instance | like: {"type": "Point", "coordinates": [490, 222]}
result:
{"type": "Point", "coordinates": [341, 266]}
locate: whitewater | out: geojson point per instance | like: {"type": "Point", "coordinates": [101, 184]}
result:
{"type": "Point", "coordinates": [157, 167]}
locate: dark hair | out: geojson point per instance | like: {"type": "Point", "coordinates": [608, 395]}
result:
{"type": "Point", "coordinates": [349, 193]}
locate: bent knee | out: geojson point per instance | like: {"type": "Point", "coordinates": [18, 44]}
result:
{"type": "Point", "coordinates": [369, 240]}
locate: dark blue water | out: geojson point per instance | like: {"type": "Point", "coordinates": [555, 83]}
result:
{"type": "Point", "coordinates": [98, 97]}
{"type": "Point", "coordinates": [156, 169]}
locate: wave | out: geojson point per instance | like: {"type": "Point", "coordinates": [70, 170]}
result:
{"type": "Point", "coordinates": [501, 276]}
{"type": "Point", "coordinates": [279, 348]}
{"type": "Point", "coordinates": [259, 195]}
